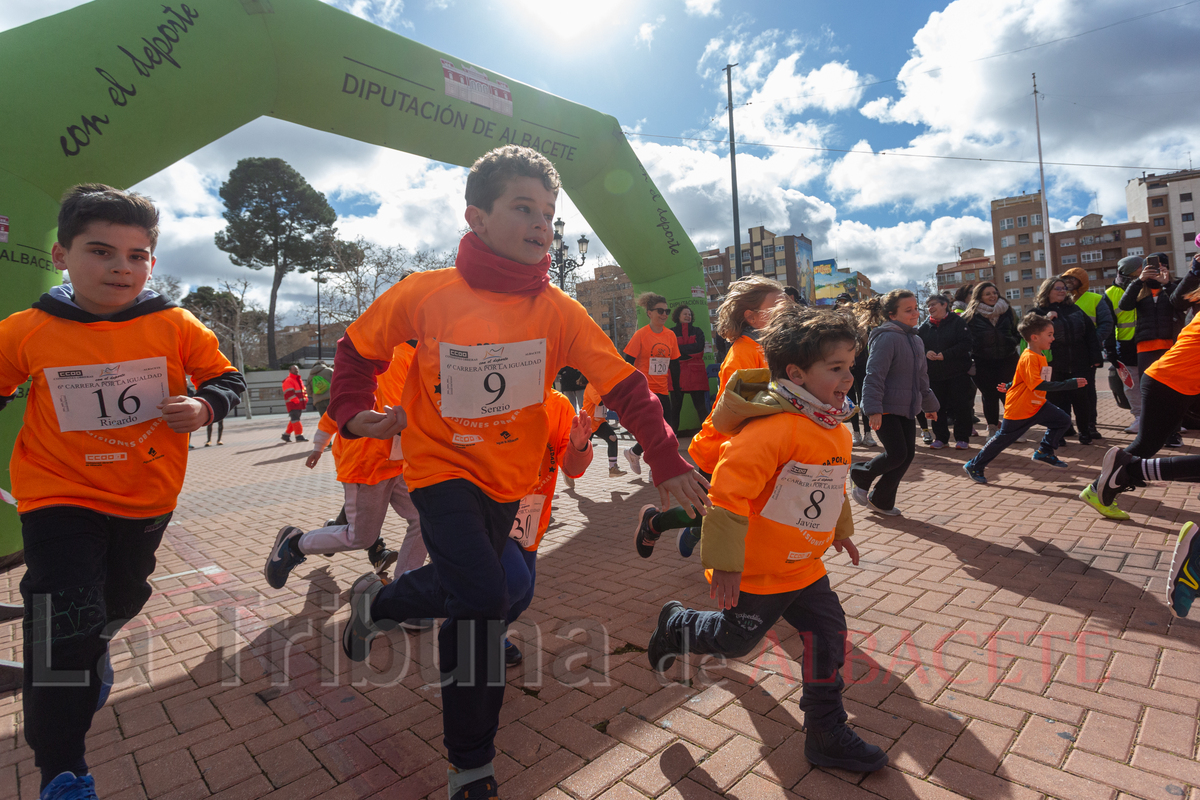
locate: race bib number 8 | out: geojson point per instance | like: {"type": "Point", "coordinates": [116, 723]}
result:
{"type": "Point", "coordinates": [97, 397]}
{"type": "Point", "coordinates": [808, 496]}
{"type": "Point", "coordinates": [529, 514]}
{"type": "Point", "coordinates": [659, 366]}
{"type": "Point", "coordinates": [487, 379]}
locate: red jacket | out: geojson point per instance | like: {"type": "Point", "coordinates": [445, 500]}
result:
{"type": "Point", "coordinates": [294, 393]}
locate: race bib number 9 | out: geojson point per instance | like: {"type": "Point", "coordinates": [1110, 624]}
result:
{"type": "Point", "coordinates": [659, 366]}
{"type": "Point", "coordinates": [808, 496]}
{"type": "Point", "coordinates": [482, 380]}
{"type": "Point", "coordinates": [98, 397]}
{"type": "Point", "coordinates": [529, 514]}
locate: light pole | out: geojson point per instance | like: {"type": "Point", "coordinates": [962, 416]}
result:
{"type": "Point", "coordinates": [562, 261]}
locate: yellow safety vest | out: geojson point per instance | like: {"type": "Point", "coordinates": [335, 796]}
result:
{"type": "Point", "coordinates": [1126, 320]}
{"type": "Point", "coordinates": [1088, 302]}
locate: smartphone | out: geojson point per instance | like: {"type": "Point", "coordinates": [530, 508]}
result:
{"type": "Point", "coordinates": [1153, 261]}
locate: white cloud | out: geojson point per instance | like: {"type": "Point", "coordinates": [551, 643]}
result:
{"type": "Point", "coordinates": [645, 34]}
{"type": "Point", "coordinates": [701, 8]}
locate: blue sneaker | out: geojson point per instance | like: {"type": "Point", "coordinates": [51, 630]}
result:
{"type": "Point", "coordinates": [283, 558]}
{"type": "Point", "coordinates": [688, 539]}
{"type": "Point", "coordinates": [106, 680]}
{"type": "Point", "coordinates": [68, 786]}
{"type": "Point", "coordinates": [975, 473]}
{"type": "Point", "coordinates": [1048, 458]}
{"type": "Point", "coordinates": [1185, 571]}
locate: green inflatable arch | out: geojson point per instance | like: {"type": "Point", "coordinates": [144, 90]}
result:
{"type": "Point", "coordinates": [117, 90]}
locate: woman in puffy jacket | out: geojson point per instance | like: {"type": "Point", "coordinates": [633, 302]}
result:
{"type": "Point", "coordinates": [948, 356]}
{"type": "Point", "coordinates": [992, 328]}
{"type": "Point", "coordinates": [1159, 314]}
{"type": "Point", "coordinates": [1075, 352]}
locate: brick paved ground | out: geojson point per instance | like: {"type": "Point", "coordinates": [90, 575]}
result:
{"type": "Point", "coordinates": [1009, 643]}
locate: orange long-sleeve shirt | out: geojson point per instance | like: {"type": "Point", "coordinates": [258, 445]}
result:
{"type": "Point", "coordinates": [745, 353]}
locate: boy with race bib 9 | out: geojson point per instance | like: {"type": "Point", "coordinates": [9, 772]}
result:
{"type": "Point", "coordinates": [100, 458]}
{"type": "Point", "coordinates": [779, 501]}
{"type": "Point", "coordinates": [492, 335]}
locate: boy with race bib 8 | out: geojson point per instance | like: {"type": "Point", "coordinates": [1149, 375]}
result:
{"type": "Point", "coordinates": [779, 501]}
{"type": "Point", "coordinates": [492, 335]}
{"type": "Point", "coordinates": [100, 458]}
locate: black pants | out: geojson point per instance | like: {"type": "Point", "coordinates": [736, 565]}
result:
{"type": "Point", "coordinates": [606, 432]}
{"type": "Point", "coordinates": [220, 431]}
{"type": "Point", "coordinates": [698, 400]}
{"type": "Point", "coordinates": [665, 401]}
{"type": "Point", "coordinates": [1077, 399]}
{"type": "Point", "coordinates": [465, 532]}
{"type": "Point", "coordinates": [856, 396]}
{"type": "Point", "coordinates": [956, 395]}
{"type": "Point", "coordinates": [1165, 409]}
{"type": "Point", "coordinates": [1050, 415]}
{"type": "Point", "coordinates": [898, 435]}
{"type": "Point", "coordinates": [814, 611]}
{"type": "Point", "coordinates": [989, 373]}
{"type": "Point", "coordinates": [86, 576]}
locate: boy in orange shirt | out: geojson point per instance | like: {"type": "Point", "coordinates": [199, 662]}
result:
{"type": "Point", "coordinates": [651, 350]}
{"type": "Point", "coordinates": [779, 501]}
{"type": "Point", "coordinates": [1025, 401]}
{"type": "Point", "coordinates": [492, 335]}
{"type": "Point", "coordinates": [100, 458]}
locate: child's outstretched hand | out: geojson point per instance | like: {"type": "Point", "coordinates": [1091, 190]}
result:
{"type": "Point", "coordinates": [313, 458]}
{"type": "Point", "coordinates": [1081, 382]}
{"type": "Point", "coordinates": [183, 414]}
{"type": "Point", "coordinates": [849, 547]}
{"type": "Point", "coordinates": [725, 587]}
{"type": "Point", "coordinates": [581, 430]}
{"type": "Point", "coordinates": [375, 425]}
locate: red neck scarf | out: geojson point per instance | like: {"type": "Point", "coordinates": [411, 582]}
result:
{"type": "Point", "coordinates": [483, 270]}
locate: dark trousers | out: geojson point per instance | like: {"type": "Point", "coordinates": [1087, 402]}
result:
{"type": "Point", "coordinates": [898, 435]}
{"type": "Point", "coordinates": [220, 430]}
{"type": "Point", "coordinates": [989, 373]}
{"type": "Point", "coordinates": [856, 396]}
{"type": "Point", "coordinates": [698, 400]}
{"type": "Point", "coordinates": [1077, 399]}
{"type": "Point", "coordinates": [606, 432]}
{"type": "Point", "coordinates": [1050, 415]}
{"type": "Point", "coordinates": [1164, 411]}
{"type": "Point", "coordinates": [665, 401]}
{"type": "Point", "coordinates": [814, 611]}
{"type": "Point", "coordinates": [956, 396]}
{"type": "Point", "coordinates": [465, 532]}
{"type": "Point", "coordinates": [86, 576]}
{"type": "Point", "coordinates": [520, 570]}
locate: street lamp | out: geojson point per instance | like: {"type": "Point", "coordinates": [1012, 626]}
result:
{"type": "Point", "coordinates": [562, 261]}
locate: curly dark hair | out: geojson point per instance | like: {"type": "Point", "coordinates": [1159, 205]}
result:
{"type": "Point", "coordinates": [493, 170]}
{"type": "Point", "coordinates": [803, 336]}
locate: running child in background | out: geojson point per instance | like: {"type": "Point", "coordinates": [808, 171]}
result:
{"type": "Point", "coordinates": [492, 335]}
{"type": "Point", "coordinates": [97, 470]}
{"type": "Point", "coordinates": [779, 501]}
{"type": "Point", "coordinates": [651, 351]}
{"type": "Point", "coordinates": [295, 396]}
{"type": "Point", "coordinates": [371, 472]}
{"type": "Point", "coordinates": [1025, 401]}
{"type": "Point", "coordinates": [596, 411]}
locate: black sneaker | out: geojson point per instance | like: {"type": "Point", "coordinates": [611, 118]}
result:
{"type": "Point", "coordinates": [1070, 431]}
{"type": "Point", "coordinates": [300, 438]}
{"type": "Point", "coordinates": [284, 557]}
{"type": "Point", "coordinates": [1085, 438]}
{"type": "Point", "coordinates": [482, 789]}
{"type": "Point", "coordinates": [842, 748]}
{"type": "Point", "coordinates": [382, 558]}
{"type": "Point", "coordinates": [1175, 441]}
{"type": "Point", "coordinates": [926, 437]}
{"type": "Point", "coordinates": [360, 628]}
{"type": "Point", "coordinates": [287, 437]}
{"type": "Point", "coordinates": [1112, 476]}
{"type": "Point", "coordinates": [663, 647]}
{"type": "Point", "coordinates": [512, 654]}
{"type": "Point", "coordinates": [645, 536]}
{"type": "Point", "coordinates": [1095, 434]}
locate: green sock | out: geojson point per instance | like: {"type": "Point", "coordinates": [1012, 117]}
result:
{"type": "Point", "coordinates": [673, 518]}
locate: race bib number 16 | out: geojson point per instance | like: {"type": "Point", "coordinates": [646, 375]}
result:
{"type": "Point", "coordinates": [97, 397]}
{"type": "Point", "coordinates": [808, 496]}
{"type": "Point", "coordinates": [487, 379]}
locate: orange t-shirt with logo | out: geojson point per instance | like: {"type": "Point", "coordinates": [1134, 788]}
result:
{"type": "Point", "coordinates": [91, 435]}
{"type": "Point", "coordinates": [1179, 367]}
{"type": "Point", "coordinates": [745, 353]}
{"type": "Point", "coordinates": [1023, 400]}
{"type": "Point", "coordinates": [372, 461]}
{"type": "Point", "coordinates": [593, 404]}
{"type": "Point", "coordinates": [788, 475]}
{"type": "Point", "coordinates": [560, 412]}
{"type": "Point", "coordinates": [488, 360]}
{"type": "Point", "coordinates": [652, 355]}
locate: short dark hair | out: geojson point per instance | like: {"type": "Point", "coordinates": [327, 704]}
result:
{"type": "Point", "coordinates": [678, 312]}
{"type": "Point", "coordinates": [803, 336]}
{"type": "Point", "coordinates": [792, 292]}
{"type": "Point", "coordinates": [96, 202]}
{"type": "Point", "coordinates": [1032, 324]}
{"type": "Point", "coordinates": [493, 170]}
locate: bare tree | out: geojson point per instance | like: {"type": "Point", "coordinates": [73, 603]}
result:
{"type": "Point", "coordinates": [166, 285]}
{"type": "Point", "coordinates": [227, 315]}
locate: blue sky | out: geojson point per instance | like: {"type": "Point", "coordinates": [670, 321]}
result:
{"type": "Point", "coordinates": [949, 85]}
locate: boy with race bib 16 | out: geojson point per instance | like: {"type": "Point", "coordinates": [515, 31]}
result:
{"type": "Point", "coordinates": [99, 461]}
{"type": "Point", "coordinates": [492, 335]}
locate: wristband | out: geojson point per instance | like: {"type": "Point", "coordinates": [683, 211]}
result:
{"type": "Point", "coordinates": [585, 447]}
{"type": "Point", "coordinates": [211, 414]}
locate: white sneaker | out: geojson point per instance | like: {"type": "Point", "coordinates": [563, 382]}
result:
{"type": "Point", "coordinates": [868, 440]}
{"type": "Point", "coordinates": [1134, 427]}
{"type": "Point", "coordinates": [635, 461]}
{"type": "Point", "coordinates": [858, 438]}
{"type": "Point", "coordinates": [991, 430]}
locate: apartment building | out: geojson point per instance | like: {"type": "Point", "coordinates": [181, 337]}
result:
{"type": "Point", "coordinates": [1163, 203]}
{"type": "Point", "coordinates": [1017, 241]}
{"type": "Point", "coordinates": [716, 279]}
{"type": "Point", "coordinates": [787, 259]}
{"type": "Point", "coordinates": [608, 298]}
{"type": "Point", "coordinates": [972, 267]}
{"type": "Point", "coordinates": [1097, 248]}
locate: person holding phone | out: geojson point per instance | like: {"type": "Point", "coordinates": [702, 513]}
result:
{"type": "Point", "coordinates": [1159, 314]}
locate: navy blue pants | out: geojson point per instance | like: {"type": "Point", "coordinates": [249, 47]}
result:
{"type": "Point", "coordinates": [1054, 418]}
{"type": "Point", "coordinates": [86, 576]}
{"type": "Point", "coordinates": [814, 611]}
{"type": "Point", "coordinates": [465, 532]}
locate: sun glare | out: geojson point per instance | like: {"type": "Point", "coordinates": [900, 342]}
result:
{"type": "Point", "coordinates": [575, 19]}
